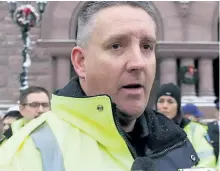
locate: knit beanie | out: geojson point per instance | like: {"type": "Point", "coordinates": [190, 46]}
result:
{"type": "Point", "coordinates": [172, 90]}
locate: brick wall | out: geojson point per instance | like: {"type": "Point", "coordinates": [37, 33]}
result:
{"type": "Point", "coordinates": [11, 59]}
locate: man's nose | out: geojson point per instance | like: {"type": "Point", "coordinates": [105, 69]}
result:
{"type": "Point", "coordinates": [136, 60]}
{"type": "Point", "coordinates": [40, 109]}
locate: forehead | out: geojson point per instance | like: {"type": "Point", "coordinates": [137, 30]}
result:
{"type": "Point", "coordinates": [166, 98]}
{"type": "Point", "coordinates": [37, 97]}
{"type": "Point", "coordinates": [125, 20]}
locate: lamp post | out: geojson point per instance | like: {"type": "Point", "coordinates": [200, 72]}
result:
{"type": "Point", "coordinates": [26, 17]}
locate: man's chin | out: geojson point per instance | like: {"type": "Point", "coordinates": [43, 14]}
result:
{"type": "Point", "coordinates": [131, 113]}
{"type": "Point", "coordinates": [37, 116]}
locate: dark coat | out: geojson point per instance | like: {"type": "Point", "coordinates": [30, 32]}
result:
{"type": "Point", "coordinates": [213, 131]}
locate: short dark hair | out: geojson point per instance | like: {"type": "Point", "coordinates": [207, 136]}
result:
{"type": "Point", "coordinates": [14, 114]}
{"type": "Point", "coordinates": [30, 90]}
{"type": "Point", "coordinates": [91, 8]}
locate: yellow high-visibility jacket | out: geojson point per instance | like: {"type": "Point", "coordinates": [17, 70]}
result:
{"type": "Point", "coordinates": [94, 138]}
{"type": "Point", "coordinates": [198, 136]}
{"type": "Point", "coordinates": [17, 125]}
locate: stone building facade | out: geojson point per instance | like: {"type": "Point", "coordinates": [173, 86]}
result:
{"type": "Point", "coordinates": [187, 35]}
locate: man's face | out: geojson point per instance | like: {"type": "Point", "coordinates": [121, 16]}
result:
{"type": "Point", "coordinates": [119, 59]}
{"type": "Point", "coordinates": [36, 104]}
{"type": "Point", "coordinates": [191, 117]}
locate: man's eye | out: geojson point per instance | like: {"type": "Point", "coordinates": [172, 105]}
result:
{"type": "Point", "coordinates": [147, 47]}
{"type": "Point", "coordinates": [116, 46]}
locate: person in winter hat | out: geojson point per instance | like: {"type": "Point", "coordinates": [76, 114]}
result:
{"type": "Point", "coordinates": [168, 102]}
{"type": "Point", "coordinates": [192, 112]}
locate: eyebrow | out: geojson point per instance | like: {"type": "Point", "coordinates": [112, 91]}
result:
{"type": "Point", "coordinates": [124, 36]}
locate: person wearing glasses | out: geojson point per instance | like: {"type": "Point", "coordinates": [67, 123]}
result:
{"type": "Point", "coordinates": [33, 102]}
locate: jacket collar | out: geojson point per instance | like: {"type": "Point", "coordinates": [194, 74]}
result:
{"type": "Point", "coordinates": [161, 132]}
{"type": "Point", "coordinates": [91, 115]}
{"type": "Point", "coordinates": [17, 125]}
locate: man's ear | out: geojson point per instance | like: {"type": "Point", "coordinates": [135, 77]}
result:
{"type": "Point", "coordinates": [77, 60]}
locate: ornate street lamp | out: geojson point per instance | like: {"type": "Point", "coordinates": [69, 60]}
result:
{"type": "Point", "coordinates": [26, 17]}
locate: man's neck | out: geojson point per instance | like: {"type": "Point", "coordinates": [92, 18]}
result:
{"type": "Point", "coordinates": [127, 124]}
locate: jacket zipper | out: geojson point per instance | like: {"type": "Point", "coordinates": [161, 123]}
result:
{"type": "Point", "coordinates": [156, 155]}
{"type": "Point", "coordinates": [121, 132]}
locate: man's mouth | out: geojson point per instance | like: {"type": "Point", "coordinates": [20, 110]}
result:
{"type": "Point", "coordinates": [132, 86]}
